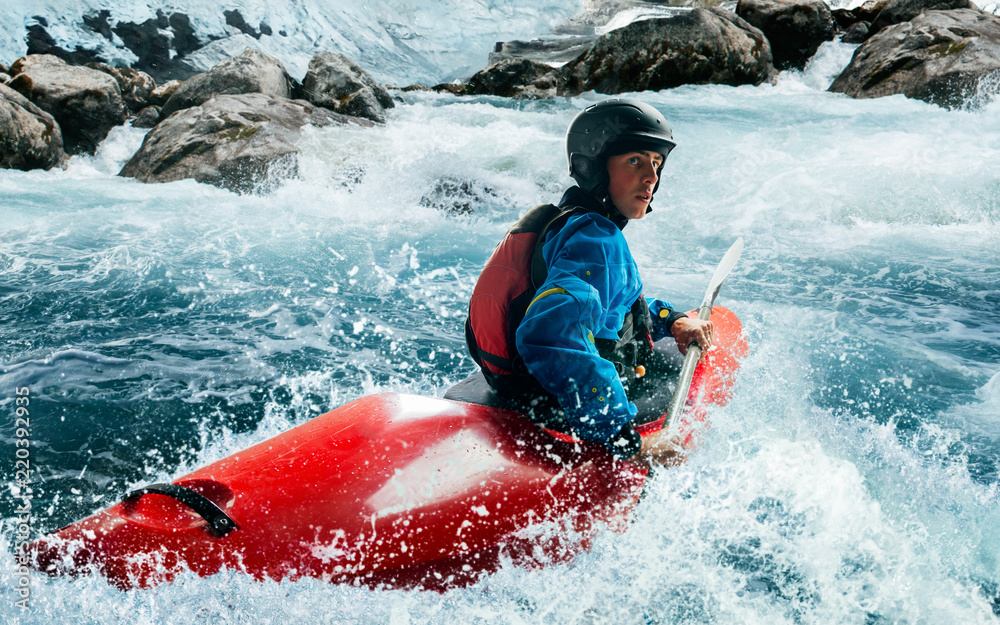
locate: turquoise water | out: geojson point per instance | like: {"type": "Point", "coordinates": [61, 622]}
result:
{"type": "Point", "coordinates": [852, 479]}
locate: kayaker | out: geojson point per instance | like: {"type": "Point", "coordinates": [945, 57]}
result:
{"type": "Point", "coordinates": [557, 321]}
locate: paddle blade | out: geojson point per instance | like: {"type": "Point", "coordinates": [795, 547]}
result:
{"type": "Point", "coordinates": [722, 272]}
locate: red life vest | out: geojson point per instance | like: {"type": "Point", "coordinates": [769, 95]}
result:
{"type": "Point", "coordinates": [506, 287]}
{"type": "Point", "coordinates": [503, 292]}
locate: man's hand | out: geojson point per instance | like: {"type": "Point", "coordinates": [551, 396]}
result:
{"type": "Point", "coordinates": [660, 448]}
{"type": "Point", "coordinates": [687, 330]}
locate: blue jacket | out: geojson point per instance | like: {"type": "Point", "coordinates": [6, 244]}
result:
{"type": "Point", "coordinates": [592, 283]}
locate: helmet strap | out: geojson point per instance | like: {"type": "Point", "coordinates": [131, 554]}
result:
{"type": "Point", "coordinates": [615, 215]}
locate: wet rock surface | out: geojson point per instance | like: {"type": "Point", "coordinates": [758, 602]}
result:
{"type": "Point", "coordinates": [136, 87]}
{"type": "Point", "coordinates": [29, 137]}
{"type": "Point", "coordinates": [162, 93]}
{"type": "Point", "coordinates": [515, 78]}
{"type": "Point", "coordinates": [701, 46]}
{"type": "Point", "coordinates": [558, 49]}
{"type": "Point", "coordinates": [457, 196]}
{"type": "Point", "coordinates": [795, 28]}
{"type": "Point", "coordinates": [942, 57]}
{"type": "Point", "coordinates": [160, 43]}
{"type": "Point", "coordinates": [235, 19]}
{"type": "Point", "coordinates": [336, 82]}
{"type": "Point", "coordinates": [898, 11]}
{"type": "Point", "coordinates": [86, 103]}
{"type": "Point", "coordinates": [147, 117]}
{"type": "Point", "coordinates": [246, 142]}
{"type": "Point", "coordinates": [857, 33]}
{"type": "Point", "coordinates": [251, 72]}
{"type": "Point", "coordinates": [845, 19]}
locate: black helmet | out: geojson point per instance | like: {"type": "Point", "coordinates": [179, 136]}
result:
{"type": "Point", "coordinates": [613, 127]}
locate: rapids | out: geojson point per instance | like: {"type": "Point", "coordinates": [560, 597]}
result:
{"type": "Point", "coordinates": [852, 479]}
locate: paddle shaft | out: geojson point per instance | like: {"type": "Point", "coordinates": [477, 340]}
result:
{"type": "Point", "coordinates": [686, 375]}
{"type": "Point", "coordinates": [694, 350]}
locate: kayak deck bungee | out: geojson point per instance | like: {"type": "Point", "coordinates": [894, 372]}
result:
{"type": "Point", "coordinates": [390, 490]}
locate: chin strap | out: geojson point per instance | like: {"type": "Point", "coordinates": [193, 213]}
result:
{"type": "Point", "coordinates": [601, 194]}
{"type": "Point", "coordinates": [614, 214]}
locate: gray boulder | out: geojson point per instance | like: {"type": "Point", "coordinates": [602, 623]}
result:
{"type": "Point", "coordinates": [147, 117]}
{"type": "Point", "coordinates": [939, 57]}
{"type": "Point", "coordinates": [164, 92]}
{"type": "Point", "coordinates": [448, 87]}
{"type": "Point", "coordinates": [336, 82]}
{"type": "Point", "coordinates": [29, 137]}
{"type": "Point", "coordinates": [136, 86]}
{"type": "Point", "coordinates": [898, 11]}
{"type": "Point", "coordinates": [244, 143]}
{"type": "Point", "coordinates": [795, 28]}
{"type": "Point", "coordinates": [555, 49]}
{"type": "Point", "coordinates": [701, 46]}
{"type": "Point", "coordinates": [515, 78]}
{"type": "Point", "coordinates": [444, 87]}
{"type": "Point", "coordinates": [251, 72]}
{"type": "Point", "coordinates": [857, 33]}
{"type": "Point", "coordinates": [4, 78]}
{"type": "Point", "coordinates": [86, 103]}
{"type": "Point", "coordinates": [847, 18]}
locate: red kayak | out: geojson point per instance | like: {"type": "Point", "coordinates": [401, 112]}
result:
{"type": "Point", "coordinates": [390, 490]}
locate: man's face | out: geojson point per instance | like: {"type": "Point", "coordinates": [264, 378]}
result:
{"type": "Point", "coordinates": [632, 177]}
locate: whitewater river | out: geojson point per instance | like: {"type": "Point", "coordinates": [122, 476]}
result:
{"type": "Point", "coordinates": [853, 478]}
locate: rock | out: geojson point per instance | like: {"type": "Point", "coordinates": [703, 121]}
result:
{"type": "Point", "coordinates": [147, 117]}
{"type": "Point", "coordinates": [449, 87]}
{"type": "Point", "coordinates": [163, 92]}
{"type": "Point", "coordinates": [238, 142]}
{"type": "Point", "coordinates": [857, 33]}
{"type": "Point", "coordinates": [33, 62]}
{"type": "Point", "coordinates": [456, 196]}
{"type": "Point", "coordinates": [160, 43]}
{"type": "Point", "coordinates": [251, 72]}
{"type": "Point", "coordinates": [40, 42]}
{"type": "Point", "coordinates": [515, 78]}
{"type": "Point", "coordinates": [445, 87]}
{"type": "Point", "coordinates": [235, 19]}
{"type": "Point", "coordinates": [553, 49]}
{"type": "Point", "coordinates": [136, 86]}
{"type": "Point", "coordinates": [845, 18]}
{"type": "Point", "coordinates": [29, 137]}
{"type": "Point", "coordinates": [335, 82]}
{"type": "Point", "coordinates": [700, 46]}
{"type": "Point", "coordinates": [795, 28]}
{"type": "Point", "coordinates": [898, 11]}
{"type": "Point", "coordinates": [938, 57]}
{"type": "Point", "coordinates": [139, 87]}
{"type": "Point", "coordinates": [4, 78]}
{"type": "Point", "coordinates": [3, 68]}
{"type": "Point", "coordinates": [86, 103]}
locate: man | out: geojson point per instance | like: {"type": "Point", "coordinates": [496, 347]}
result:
{"type": "Point", "coordinates": [558, 317]}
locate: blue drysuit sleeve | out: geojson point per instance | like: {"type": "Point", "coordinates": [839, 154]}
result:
{"type": "Point", "coordinates": [662, 321]}
{"type": "Point", "coordinates": [591, 284]}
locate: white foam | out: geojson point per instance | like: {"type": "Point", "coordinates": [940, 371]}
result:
{"type": "Point", "coordinates": [868, 277]}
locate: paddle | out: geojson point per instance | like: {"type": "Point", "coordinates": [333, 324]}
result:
{"type": "Point", "coordinates": [694, 350]}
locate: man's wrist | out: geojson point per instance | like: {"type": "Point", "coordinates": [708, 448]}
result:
{"type": "Point", "coordinates": [672, 319]}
